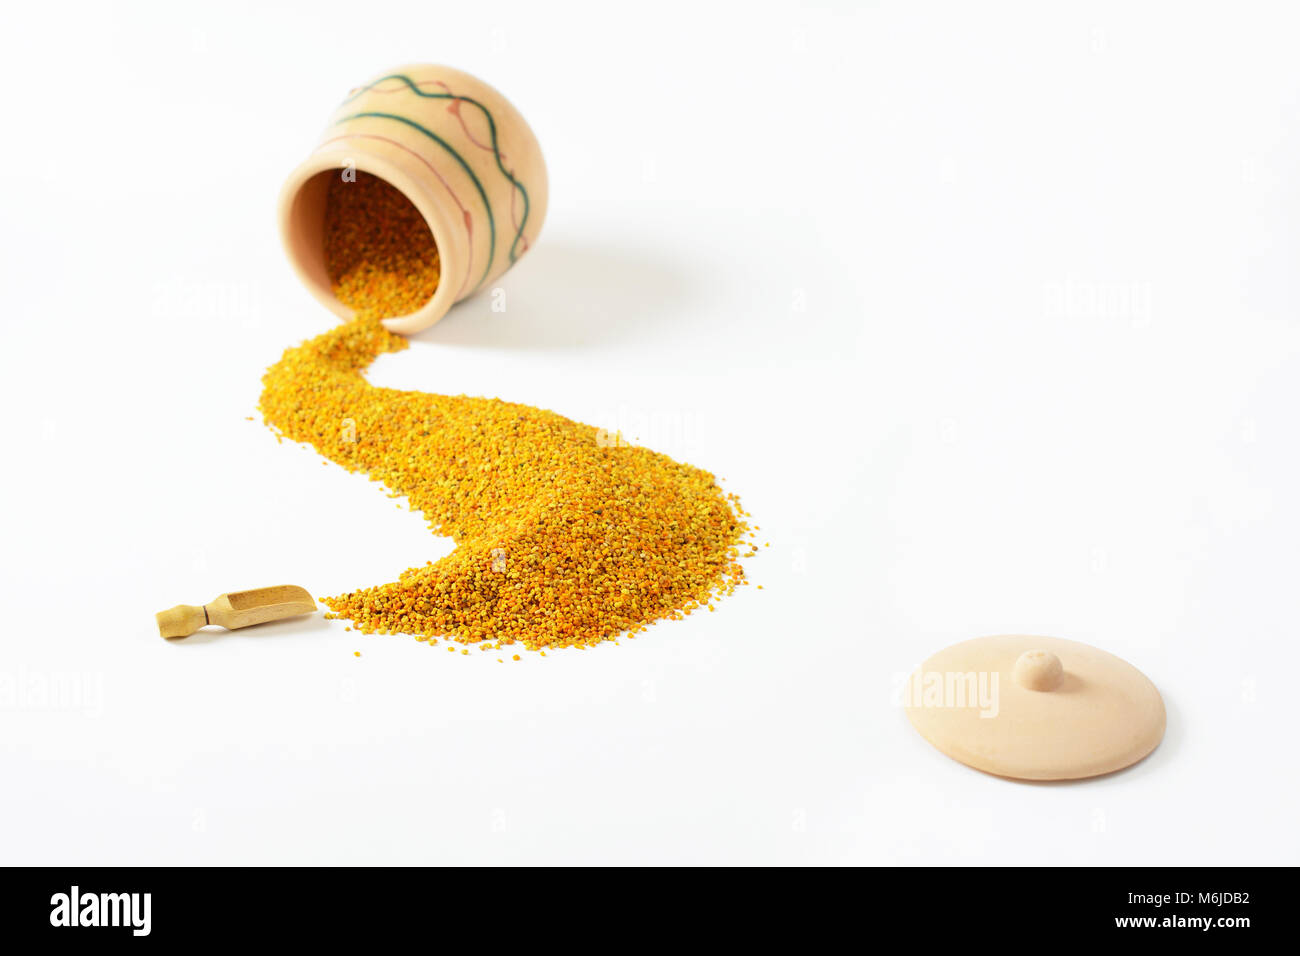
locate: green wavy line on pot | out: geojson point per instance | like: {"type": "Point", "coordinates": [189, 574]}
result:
{"type": "Point", "coordinates": [492, 222]}
{"type": "Point", "coordinates": [492, 127]}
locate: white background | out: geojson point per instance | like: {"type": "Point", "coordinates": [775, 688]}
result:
{"type": "Point", "coordinates": [989, 315]}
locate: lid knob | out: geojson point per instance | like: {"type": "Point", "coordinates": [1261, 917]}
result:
{"type": "Point", "coordinates": [1038, 670]}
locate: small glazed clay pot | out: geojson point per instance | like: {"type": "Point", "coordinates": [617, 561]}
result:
{"type": "Point", "coordinates": [461, 154]}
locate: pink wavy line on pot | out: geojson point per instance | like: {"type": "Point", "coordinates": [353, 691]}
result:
{"type": "Point", "coordinates": [469, 222]}
{"type": "Point", "coordinates": [454, 110]}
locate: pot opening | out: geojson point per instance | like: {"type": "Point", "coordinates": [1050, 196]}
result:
{"type": "Point", "coordinates": [360, 242]}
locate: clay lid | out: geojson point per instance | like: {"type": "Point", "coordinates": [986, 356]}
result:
{"type": "Point", "coordinates": [1035, 708]}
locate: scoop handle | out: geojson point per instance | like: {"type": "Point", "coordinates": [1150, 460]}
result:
{"type": "Point", "coordinates": [181, 620]}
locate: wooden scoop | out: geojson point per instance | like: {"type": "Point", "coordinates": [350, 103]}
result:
{"type": "Point", "coordinates": [237, 609]}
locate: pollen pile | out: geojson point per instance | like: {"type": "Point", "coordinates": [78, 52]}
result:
{"type": "Point", "coordinates": [562, 538]}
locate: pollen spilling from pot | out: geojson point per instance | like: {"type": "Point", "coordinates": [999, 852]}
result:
{"type": "Point", "coordinates": [562, 538]}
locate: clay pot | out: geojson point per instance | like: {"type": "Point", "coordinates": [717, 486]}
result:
{"type": "Point", "coordinates": [461, 154]}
